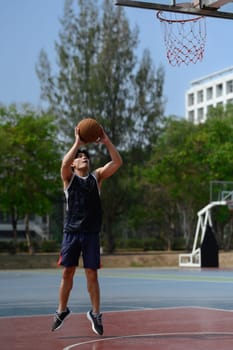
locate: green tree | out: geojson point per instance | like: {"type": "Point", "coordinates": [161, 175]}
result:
{"type": "Point", "coordinates": [100, 76]}
{"type": "Point", "coordinates": [29, 164]}
{"type": "Point", "coordinates": [186, 158]}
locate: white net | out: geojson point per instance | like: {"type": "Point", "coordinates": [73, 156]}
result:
{"type": "Point", "coordinates": [184, 36]}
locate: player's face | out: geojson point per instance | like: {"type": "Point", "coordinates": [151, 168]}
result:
{"type": "Point", "coordinates": [81, 162]}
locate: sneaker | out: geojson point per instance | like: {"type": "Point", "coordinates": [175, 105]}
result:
{"type": "Point", "coordinates": [96, 322]}
{"type": "Point", "coordinates": [59, 318]}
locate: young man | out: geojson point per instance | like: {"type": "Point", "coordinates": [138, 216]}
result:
{"type": "Point", "coordinates": [82, 225]}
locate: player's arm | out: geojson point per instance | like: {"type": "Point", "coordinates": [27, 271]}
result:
{"type": "Point", "coordinates": [66, 171]}
{"type": "Point", "coordinates": [115, 163]}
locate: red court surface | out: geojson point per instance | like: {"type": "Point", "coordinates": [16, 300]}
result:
{"type": "Point", "coordinates": [189, 328]}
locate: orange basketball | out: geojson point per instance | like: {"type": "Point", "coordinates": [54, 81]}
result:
{"type": "Point", "coordinates": [89, 130]}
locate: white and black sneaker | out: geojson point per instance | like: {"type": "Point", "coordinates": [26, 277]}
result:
{"type": "Point", "coordinates": [59, 318]}
{"type": "Point", "coordinates": [96, 322]}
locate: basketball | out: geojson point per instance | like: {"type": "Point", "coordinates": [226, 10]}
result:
{"type": "Point", "coordinates": [89, 130]}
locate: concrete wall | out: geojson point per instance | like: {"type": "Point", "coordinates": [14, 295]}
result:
{"type": "Point", "coordinates": [156, 259]}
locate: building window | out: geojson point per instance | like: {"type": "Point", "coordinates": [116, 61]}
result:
{"type": "Point", "coordinates": [219, 90]}
{"type": "Point", "coordinates": [229, 86]}
{"type": "Point", "coordinates": [209, 93]}
{"type": "Point", "coordinates": [191, 116]}
{"type": "Point", "coordinates": [200, 114]}
{"type": "Point", "coordinates": [190, 99]}
{"type": "Point", "coordinates": [200, 96]}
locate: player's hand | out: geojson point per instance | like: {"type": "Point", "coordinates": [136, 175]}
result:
{"type": "Point", "coordinates": [77, 137]}
{"type": "Point", "coordinates": [104, 137]}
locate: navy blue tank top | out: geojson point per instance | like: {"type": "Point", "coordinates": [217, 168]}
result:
{"type": "Point", "coordinates": [83, 206]}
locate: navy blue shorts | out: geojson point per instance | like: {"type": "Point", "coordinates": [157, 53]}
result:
{"type": "Point", "coordinates": [75, 244]}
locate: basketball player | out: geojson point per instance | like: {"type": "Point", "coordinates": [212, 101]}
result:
{"type": "Point", "coordinates": [82, 225]}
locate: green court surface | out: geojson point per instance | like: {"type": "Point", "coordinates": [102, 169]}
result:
{"type": "Point", "coordinates": [35, 292]}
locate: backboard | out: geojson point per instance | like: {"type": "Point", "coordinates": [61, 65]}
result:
{"type": "Point", "coordinates": [207, 8]}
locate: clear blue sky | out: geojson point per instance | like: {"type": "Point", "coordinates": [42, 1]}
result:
{"type": "Point", "coordinates": [27, 26]}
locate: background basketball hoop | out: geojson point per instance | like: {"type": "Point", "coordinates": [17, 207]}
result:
{"type": "Point", "coordinates": [184, 36]}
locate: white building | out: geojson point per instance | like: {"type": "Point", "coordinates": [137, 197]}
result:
{"type": "Point", "coordinates": [210, 91]}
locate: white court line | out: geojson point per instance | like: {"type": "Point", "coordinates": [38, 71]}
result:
{"type": "Point", "coordinates": [136, 309]}
{"type": "Point", "coordinates": [147, 335]}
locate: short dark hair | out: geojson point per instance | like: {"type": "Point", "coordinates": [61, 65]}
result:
{"type": "Point", "coordinates": [82, 150]}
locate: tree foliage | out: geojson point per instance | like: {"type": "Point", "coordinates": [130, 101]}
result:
{"type": "Point", "coordinates": [186, 158]}
{"type": "Point", "coordinates": [29, 163]}
{"type": "Point", "coordinates": [168, 163]}
{"type": "Point", "coordinates": [99, 75]}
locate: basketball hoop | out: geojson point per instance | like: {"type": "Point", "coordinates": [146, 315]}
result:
{"type": "Point", "coordinates": [184, 36]}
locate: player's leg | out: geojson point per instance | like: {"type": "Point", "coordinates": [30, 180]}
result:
{"type": "Point", "coordinates": [91, 262]}
{"type": "Point", "coordinates": [69, 258]}
{"type": "Point", "coordinates": [93, 289]}
{"type": "Point", "coordinates": [94, 315]}
{"type": "Point", "coordinates": [66, 286]}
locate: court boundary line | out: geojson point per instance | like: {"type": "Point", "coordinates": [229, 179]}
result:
{"type": "Point", "coordinates": [146, 335]}
{"type": "Point", "coordinates": [126, 310]}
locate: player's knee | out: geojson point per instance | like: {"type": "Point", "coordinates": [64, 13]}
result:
{"type": "Point", "coordinates": [91, 275]}
{"type": "Point", "coordinates": [68, 273]}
